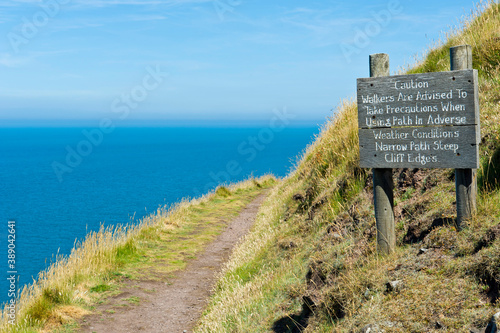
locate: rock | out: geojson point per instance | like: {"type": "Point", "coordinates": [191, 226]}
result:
{"type": "Point", "coordinates": [372, 328]}
{"type": "Point", "coordinates": [337, 236]}
{"type": "Point", "coordinates": [388, 324]}
{"type": "Point", "coordinates": [422, 251]}
{"type": "Point", "coordinates": [394, 286]}
{"type": "Point", "coordinates": [493, 324]}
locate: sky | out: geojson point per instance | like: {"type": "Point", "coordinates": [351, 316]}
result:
{"type": "Point", "coordinates": [201, 61]}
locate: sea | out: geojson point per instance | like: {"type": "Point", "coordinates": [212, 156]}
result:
{"type": "Point", "coordinates": [59, 183]}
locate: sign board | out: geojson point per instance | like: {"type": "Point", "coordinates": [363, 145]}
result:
{"type": "Point", "coordinates": [426, 120]}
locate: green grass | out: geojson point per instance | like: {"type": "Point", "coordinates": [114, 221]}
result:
{"type": "Point", "coordinates": [159, 245]}
{"type": "Point", "coordinates": [100, 288]}
{"type": "Point", "coordinates": [133, 300]}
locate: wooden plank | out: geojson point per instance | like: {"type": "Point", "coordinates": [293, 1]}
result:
{"type": "Point", "coordinates": [430, 99]}
{"type": "Point", "coordinates": [419, 147]}
{"type": "Point", "coordinates": [383, 201]}
{"type": "Point", "coordinates": [465, 178]}
{"type": "Point", "coordinates": [383, 195]}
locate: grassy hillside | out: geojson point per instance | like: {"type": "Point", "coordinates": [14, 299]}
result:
{"type": "Point", "coordinates": [310, 264]}
{"type": "Point", "coordinates": [160, 244]}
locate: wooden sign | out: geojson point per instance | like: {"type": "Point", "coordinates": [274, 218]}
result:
{"type": "Point", "coordinates": [426, 120]}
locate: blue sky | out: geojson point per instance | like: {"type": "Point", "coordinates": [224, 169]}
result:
{"type": "Point", "coordinates": [201, 61]}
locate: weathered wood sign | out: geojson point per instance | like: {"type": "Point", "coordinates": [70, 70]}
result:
{"type": "Point", "coordinates": [419, 121]}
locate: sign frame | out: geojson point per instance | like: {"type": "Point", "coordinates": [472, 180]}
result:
{"type": "Point", "coordinates": [428, 120]}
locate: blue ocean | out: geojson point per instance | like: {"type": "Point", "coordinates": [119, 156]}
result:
{"type": "Point", "coordinates": [58, 184]}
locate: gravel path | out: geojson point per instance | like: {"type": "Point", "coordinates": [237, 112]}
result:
{"type": "Point", "coordinates": [176, 306]}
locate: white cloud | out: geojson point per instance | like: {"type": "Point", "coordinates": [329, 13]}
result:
{"type": "Point", "coordinates": [7, 60]}
{"type": "Point", "coordinates": [147, 17]}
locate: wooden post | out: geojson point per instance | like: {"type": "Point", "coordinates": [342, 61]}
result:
{"type": "Point", "coordinates": [382, 179]}
{"type": "Point", "coordinates": [465, 179]}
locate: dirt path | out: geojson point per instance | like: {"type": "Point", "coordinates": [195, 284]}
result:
{"type": "Point", "coordinates": [172, 307]}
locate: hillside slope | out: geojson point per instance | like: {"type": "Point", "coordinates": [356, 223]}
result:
{"type": "Point", "coordinates": [310, 264]}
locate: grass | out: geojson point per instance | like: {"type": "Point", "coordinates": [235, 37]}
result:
{"type": "Point", "coordinates": [133, 300]}
{"type": "Point", "coordinates": [158, 245]}
{"type": "Point", "coordinates": [310, 265]}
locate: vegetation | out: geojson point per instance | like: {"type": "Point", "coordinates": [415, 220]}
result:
{"type": "Point", "coordinates": [310, 264]}
{"type": "Point", "coordinates": [160, 244]}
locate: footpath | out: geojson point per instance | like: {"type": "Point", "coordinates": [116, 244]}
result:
{"type": "Point", "coordinates": [174, 306]}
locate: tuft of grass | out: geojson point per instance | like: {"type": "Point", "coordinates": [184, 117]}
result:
{"type": "Point", "coordinates": [100, 288]}
{"type": "Point", "coordinates": [223, 191]}
{"type": "Point", "coordinates": [133, 300]}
